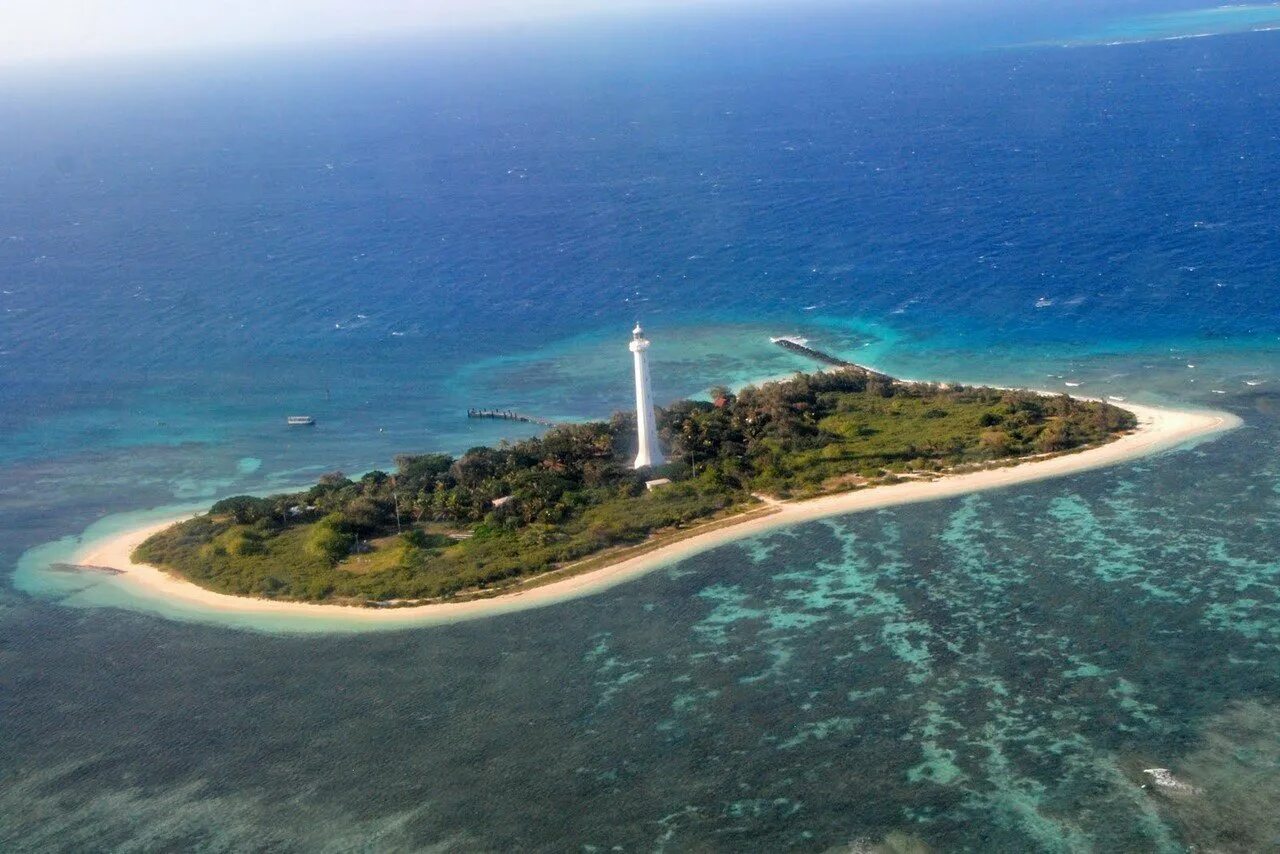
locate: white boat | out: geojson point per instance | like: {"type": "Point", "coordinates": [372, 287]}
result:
{"type": "Point", "coordinates": [300, 420]}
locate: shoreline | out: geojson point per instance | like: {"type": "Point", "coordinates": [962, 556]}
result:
{"type": "Point", "coordinates": [1159, 429]}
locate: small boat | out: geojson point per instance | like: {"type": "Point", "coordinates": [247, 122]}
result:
{"type": "Point", "coordinates": [301, 421]}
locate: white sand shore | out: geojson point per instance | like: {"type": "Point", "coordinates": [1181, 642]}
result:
{"type": "Point", "coordinates": [1159, 429]}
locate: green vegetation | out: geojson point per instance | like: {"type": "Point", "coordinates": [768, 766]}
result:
{"type": "Point", "coordinates": [442, 526]}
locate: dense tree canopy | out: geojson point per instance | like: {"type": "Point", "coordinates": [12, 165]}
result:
{"type": "Point", "coordinates": [440, 525]}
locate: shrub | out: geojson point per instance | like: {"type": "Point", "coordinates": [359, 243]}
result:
{"type": "Point", "coordinates": [245, 542]}
{"type": "Point", "coordinates": [328, 542]}
{"type": "Point", "coordinates": [996, 442]}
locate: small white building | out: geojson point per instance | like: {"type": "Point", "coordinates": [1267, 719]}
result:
{"type": "Point", "coordinates": [654, 484]}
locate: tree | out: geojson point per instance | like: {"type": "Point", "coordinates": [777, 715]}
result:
{"type": "Point", "coordinates": [366, 514]}
{"type": "Point", "coordinates": [244, 509]}
{"type": "Point", "coordinates": [328, 541]}
{"type": "Point", "coordinates": [478, 465]}
{"type": "Point", "coordinates": [420, 470]}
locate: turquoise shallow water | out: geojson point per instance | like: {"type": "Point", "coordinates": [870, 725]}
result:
{"type": "Point", "coordinates": [993, 671]}
{"type": "Point", "coordinates": [1190, 23]}
{"type": "Point", "coordinates": [187, 258]}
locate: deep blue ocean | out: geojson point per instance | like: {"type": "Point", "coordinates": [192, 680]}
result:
{"type": "Point", "coordinates": [384, 235]}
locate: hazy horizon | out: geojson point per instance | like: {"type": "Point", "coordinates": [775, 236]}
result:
{"type": "Point", "coordinates": [61, 31]}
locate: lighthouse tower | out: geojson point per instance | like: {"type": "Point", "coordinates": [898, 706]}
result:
{"type": "Point", "coordinates": [646, 427]}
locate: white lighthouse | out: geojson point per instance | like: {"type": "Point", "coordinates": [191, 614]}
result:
{"type": "Point", "coordinates": [646, 427]}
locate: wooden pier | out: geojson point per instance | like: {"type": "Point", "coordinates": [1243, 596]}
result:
{"type": "Point", "coordinates": [509, 415]}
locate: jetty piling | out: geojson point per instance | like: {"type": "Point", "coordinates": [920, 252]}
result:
{"type": "Point", "coordinates": [509, 415]}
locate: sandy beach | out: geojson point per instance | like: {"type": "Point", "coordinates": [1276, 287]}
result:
{"type": "Point", "coordinates": [1158, 429]}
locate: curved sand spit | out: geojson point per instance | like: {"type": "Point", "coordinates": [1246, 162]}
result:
{"type": "Point", "coordinates": [1158, 429]}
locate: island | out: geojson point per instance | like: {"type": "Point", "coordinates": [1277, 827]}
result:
{"type": "Point", "coordinates": [502, 519]}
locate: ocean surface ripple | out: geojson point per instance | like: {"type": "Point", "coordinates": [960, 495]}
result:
{"type": "Point", "coordinates": [384, 243]}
